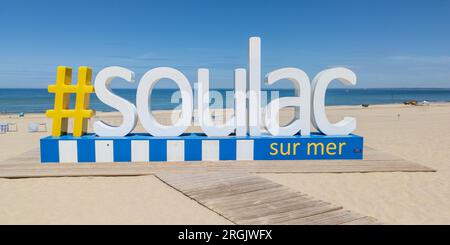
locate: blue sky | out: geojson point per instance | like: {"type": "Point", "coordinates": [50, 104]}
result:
{"type": "Point", "coordinates": [399, 43]}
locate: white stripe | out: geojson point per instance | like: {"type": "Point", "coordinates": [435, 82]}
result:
{"type": "Point", "coordinates": [68, 151]}
{"type": "Point", "coordinates": [210, 150]}
{"type": "Point", "coordinates": [175, 150]}
{"type": "Point", "coordinates": [104, 151]}
{"type": "Point", "coordinates": [140, 151]}
{"type": "Point", "coordinates": [244, 150]}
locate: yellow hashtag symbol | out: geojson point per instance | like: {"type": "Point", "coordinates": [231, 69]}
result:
{"type": "Point", "coordinates": [62, 90]}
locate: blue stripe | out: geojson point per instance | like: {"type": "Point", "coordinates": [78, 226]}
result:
{"type": "Point", "coordinates": [265, 147]}
{"type": "Point", "coordinates": [158, 150]}
{"type": "Point", "coordinates": [122, 150]}
{"type": "Point", "coordinates": [86, 150]}
{"type": "Point", "coordinates": [49, 150]}
{"type": "Point", "coordinates": [193, 150]}
{"type": "Point", "coordinates": [305, 148]}
{"type": "Point", "coordinates": [227, 149]}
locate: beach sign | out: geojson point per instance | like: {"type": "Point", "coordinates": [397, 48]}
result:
{"type": "Point", "coordinates": [253, 133]}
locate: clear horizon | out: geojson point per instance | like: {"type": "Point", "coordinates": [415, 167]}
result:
{"type": "Point", "coordinates": [401, 44]}
{"type": "Point", "coordinates": [332, 88]}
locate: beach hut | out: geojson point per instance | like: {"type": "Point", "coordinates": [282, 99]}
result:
{"type": "Point", "coordinates": [3, 128]}
{"type": "Point", "coordinates": [35, 127]}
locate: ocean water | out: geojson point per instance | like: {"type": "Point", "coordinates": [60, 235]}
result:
{"type": "Point", "coordinates": [39, 100]}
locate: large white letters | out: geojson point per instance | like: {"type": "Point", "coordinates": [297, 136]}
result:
{"type": "Point", "coordinates": [238, 122]}
{"type": "Point", "coordinates": [254, 81]}
{"type": "Point", "coordinates": [240, 101]}
{"type": "Point", "coordinates": [143, 101]}
{"type": "Point", "coordinates": [301, 103]}
{"type": "Point", "coordinates": [320, 85]}
{"type": "Point", "coordinates": [104, 94]}
{"type": "Point", "coordinates": [309, 99]}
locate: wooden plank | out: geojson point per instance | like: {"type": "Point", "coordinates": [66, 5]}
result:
{"type": "Point", "coordinates": [291, 215]}
{"type": "Point", "coordinates": [27, 166]}
{"type": "Point", "coordinates": [198, 189]}
{"type": "Point", "coordinates": [328, 218]}
{"type": "Point", "coordinates": [250, 199]}
{"type": "Point", "coordinates": [293, 201]}
{"type": "Point", "coordinates": [254, 198]}
{"type": "Point", "coordinates": [219, 192]}
{"type": "Point", "coordinates": [363, 221]}
{"type": "Point", "coordinates": [193, 181]}
{"type": "Point", "coordinates": [249, 213]}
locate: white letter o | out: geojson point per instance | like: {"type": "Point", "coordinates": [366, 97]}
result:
{"type": "Point", "coordinates": [143, 102]}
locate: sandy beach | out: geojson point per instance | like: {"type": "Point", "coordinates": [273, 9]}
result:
{"type": "Point", "coordinates": [420, 134]}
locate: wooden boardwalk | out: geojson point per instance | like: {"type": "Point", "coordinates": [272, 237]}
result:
{"type": "Point", "coordinates": [247, 199]}
{"type": "Point", "coordinates": [231, 188]}
{"type": "Point", "coordinates": [27, 166]}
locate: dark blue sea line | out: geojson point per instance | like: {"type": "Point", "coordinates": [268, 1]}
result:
{"type": "Point", "coordinates": [39, 100]}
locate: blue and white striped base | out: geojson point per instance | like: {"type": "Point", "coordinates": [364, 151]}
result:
{"type": "Point", "coordinates": [198, 147]}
